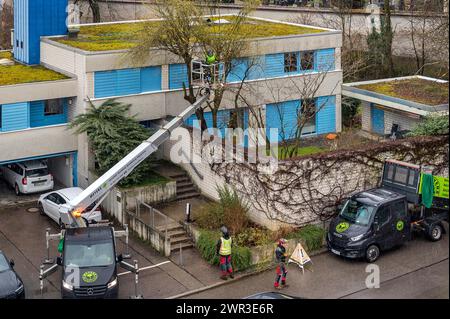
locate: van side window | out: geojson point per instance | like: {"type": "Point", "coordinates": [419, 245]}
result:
{"type": "Point", "coordinates": [399, 208]}
{"type": "Point", "coordinates": [382, 215]}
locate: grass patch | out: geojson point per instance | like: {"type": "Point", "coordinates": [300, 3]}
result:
{"type": "Point", "coordinates": [416, 90]}
{"type": "Point", "coordinates": [122, 36]}
{"type": "Point", "coordinates": [285, 152]}
{"type": "Point", "coordinates": [312, 236]}
{"type": "Point", "coordinates": [18, 73]}
{"type": "Point", "coordinates": [151, 178]}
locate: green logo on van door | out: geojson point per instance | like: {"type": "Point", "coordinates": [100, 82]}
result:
{"type": "Point", "coordinates": [342, 226]}
{"type": "Point", "coordinates": [89, 277]}
{"type": "Point", "coordinates": [400, 225]}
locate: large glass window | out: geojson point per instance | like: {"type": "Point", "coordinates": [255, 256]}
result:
{"type": "Point", "coordinates": [291, 62]}
{"type": "Point", "coordinates": [89, 255]}
{"type": "Point", "coordinates": [307, 60]}
{"type": "Point", "coordinates": [357, 212]}
{"type": "Point", "coordinates": [53, 107]}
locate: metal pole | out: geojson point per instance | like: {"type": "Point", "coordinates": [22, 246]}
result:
{"type": "Point", "coordinates": [188, 213]}
{"type": "Point", "coordinates": [41, 279]}
{"type": "Point", "coordinates": [127, 254]}
{"type": "Point", "coordinates": [47, 244]}
{"type": "Point", "coordinates": [181, 256]}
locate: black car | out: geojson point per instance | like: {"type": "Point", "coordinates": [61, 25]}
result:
{"type": "Point", "coordinates": [11, 286]}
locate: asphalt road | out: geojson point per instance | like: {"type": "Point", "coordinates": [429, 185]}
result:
{"type": "Point", "coordinates": [419, 269]}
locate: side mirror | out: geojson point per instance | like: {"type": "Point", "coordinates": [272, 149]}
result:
{"type": "Point", "coordinates": [11, 263]}
{"type": "Point", "coordinates": [120, 258]}
{"type": "Point", "coordinates": [59, 261]}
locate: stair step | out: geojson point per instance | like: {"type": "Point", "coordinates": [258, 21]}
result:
{"type": "Point", "coordinates": [170, 227]}
{"type": "Point", "coordinates": [178, 240]}
{"type": "Point", "coordinates": [178, 176]}
{"type": "Point", "coordinates": [183, 246]}
{"type": "Point", "coordinates": [176, 233]}
{"type": "Point", "coordinates": [188, 196]}
{"type": "Point", "coordinates": [186, 191]}
{"type": "Point", "coordinates": [185, 184]}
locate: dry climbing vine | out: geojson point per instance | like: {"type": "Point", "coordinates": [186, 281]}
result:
{"type": "Point", "coordinates": [308, 189]}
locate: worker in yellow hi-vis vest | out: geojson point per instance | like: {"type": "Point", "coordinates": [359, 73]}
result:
{"type": "Point", "coordinates": [224, 251]}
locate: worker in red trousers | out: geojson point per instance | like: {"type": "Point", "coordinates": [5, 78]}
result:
{"type": "Point", "coordinates": [224, 251]}
{"type": "Point", "coordinates": [280, 255]}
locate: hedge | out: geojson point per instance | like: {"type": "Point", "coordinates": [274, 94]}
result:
{"type": "Point", "coordinates": [206, 244]}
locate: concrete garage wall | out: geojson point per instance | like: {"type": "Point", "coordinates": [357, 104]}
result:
{"type": "Point", "coordinates": [61, 169]}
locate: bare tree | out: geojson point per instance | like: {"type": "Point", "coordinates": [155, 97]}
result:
{"type": "Point", "coordinates": [6, 23]}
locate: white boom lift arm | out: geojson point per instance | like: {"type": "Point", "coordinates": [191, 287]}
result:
{"type": "Point", "coordinates": [97, 191]}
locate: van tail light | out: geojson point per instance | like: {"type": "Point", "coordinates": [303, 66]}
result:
{"type": "Point", "coordinates": [24, 181]}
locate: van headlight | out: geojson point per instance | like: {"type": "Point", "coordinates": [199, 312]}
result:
{"type": "Point", "coordinates": [356, 238]}
{"type": "Point", "coordinates": [112, 284]}
{"type": "Point", "coordinates": [19, 290]}
{"type": "Point", "coordinates": [67, 286]}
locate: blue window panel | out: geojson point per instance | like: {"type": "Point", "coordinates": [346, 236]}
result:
{"type": "Point", "coordinates": [325, 60]}
{"type": "Point", "coordinates": [105, 83]}
{"type": "Point", "coordinates": [177, 75]}
{"type": "Point", "coordinates": [326, 115]}
{"type": "Point", "coordinates": [282, 116]}
{"type": "Point", "coordinates": [151, 79]}
{"type": "Point", "coordinates": [38, 117]}
{"type": "Point", "coordinates": [274, 65]}
{"type": "Point", "coordinates": [75, 169]}
{"type": "Point", "coordinates": [377, 116]}
{"type": "Point", "coordinates": [15, 116]}
{"type": "Point", "coordinates": [238, 68]}
{"type": "Point", "coordinates": [128, 81]}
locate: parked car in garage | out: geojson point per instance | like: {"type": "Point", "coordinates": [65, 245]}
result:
{"type": "Point", "coordinates": [28, 177]}
{"type": "Point", "coordinates": [49, 204]}
{"type": "Point", "coordinates": [11, 286]}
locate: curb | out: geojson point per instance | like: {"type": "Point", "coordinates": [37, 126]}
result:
{"type": "Point", "coordinates": [244, 275]}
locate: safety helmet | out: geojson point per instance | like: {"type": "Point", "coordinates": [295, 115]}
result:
{"type": "Point", "coordinates": [209, 52]}
{"type": "Point", "coordinates": [282, 241]}
{"type": "Point", "coordinates": [224, 230]}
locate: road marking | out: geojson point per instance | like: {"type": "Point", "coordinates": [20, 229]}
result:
{"type": "Point", "coordinates": [145, 268]}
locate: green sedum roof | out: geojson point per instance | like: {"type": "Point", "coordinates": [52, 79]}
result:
{"type": "Point", "coordinates": [19, 73]}
{"type": "Point", "coordinates": [119, 36]}
{"type": "Point", "coordinates": [417, 90]}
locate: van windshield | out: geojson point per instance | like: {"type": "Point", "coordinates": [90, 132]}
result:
{"type": "Point", "coordinates": [37, 172]}
{"type": "Point", "coordinates": [357, 212]}
{"type": "Point", "coordinates": [4, 264]}
{"type": "Point", "coordinates": [89, 255]}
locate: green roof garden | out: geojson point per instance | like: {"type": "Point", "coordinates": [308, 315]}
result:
{"type": "Point", "coordinates": [417, 89]}
{"type": "Point", "coordinates": [120, 36]}
{"type": "Point", "coordinates": [19, 73]}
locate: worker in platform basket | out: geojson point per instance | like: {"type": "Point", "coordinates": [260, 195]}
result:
{"type": "Point", "coordinates": [224, 251]}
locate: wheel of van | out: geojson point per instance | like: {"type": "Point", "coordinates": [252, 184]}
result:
{"type": "Point", "coordinates": [372, 253]}
{"type": "Point", "coordinates": [16, 189]}
{"type": "Point", "coordinates": [435, 232]}
{"type": "Point", "coordinates": [41, 209]}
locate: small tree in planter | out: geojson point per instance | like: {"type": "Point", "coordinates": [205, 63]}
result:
{"type": "Point", "coordinates": [113, 134]}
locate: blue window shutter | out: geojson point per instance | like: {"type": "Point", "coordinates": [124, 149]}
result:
{"type": "Point", "coordinates": [324, 60]}
{"type": "Point", "coordinates": [151, 79]}
{"type": "Point", "coordinates": [128, 81]}
{"type": "Point", "coordinates": [326, 115]}
{"type": "Point", "coordinates": [177, 75]}
{"type": "Point", "coordinates": [15, 116]}
{"type": "Point", "coordinates": [105, 84]}
{"type": "Point", "coordinates": [238, 68]}
{"type": "Point", "coordinates": [282, 116]}
{"type": "Point", "coordinates": [274, 65]}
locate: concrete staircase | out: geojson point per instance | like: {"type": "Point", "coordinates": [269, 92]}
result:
{"type": "Point", "coordinates": [185, 187]}
{"type": "Point", "coordinates": [178, 236]}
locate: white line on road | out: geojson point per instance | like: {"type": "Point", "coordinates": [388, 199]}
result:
{"type": "Point", "coordinates": [145, 268]}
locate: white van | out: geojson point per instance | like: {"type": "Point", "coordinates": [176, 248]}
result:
{"type": "Point", "coordinates": [28, 177]}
